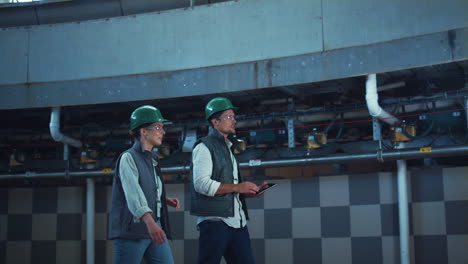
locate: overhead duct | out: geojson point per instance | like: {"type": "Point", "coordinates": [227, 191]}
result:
{"type": "Point", "coordinates": [372, 100]}
{"type": "Point", "coordinates": [390, 155]}
{"type": "Point", "coordinates": [54, 126]}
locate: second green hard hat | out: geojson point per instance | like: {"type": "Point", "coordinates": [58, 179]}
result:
{"type": "Point", "coordinates": [146, 114]}
{"type": "Point", "coordinates": [218, 104]}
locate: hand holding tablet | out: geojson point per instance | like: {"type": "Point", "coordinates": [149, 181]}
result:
{"type": "Point", "coordinates": [266, 187]}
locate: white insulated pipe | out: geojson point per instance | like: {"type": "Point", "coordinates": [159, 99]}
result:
{"type": "Point", "coordinates": [54, 127]}
{"type": "Point", "coordinates": [402, 179]}
{"type": "Point", "coordinates": [372, 100]}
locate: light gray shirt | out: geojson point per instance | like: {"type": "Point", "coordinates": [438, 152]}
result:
{"type": "Point", "coordinates": [134, 195]}
{"type": "Point", "coordinates": [202, 182]}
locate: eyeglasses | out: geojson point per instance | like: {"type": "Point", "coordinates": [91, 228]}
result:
{"type": "Point", "coordinates": [157, 128]}
{"type": "Point", "coordinates": [227, 117]}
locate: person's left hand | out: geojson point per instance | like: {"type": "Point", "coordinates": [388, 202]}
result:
{"type": "Point", "coordinates": [173, 202]}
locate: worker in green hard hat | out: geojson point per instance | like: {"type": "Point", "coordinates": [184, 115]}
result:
{"type": "Point", "coordinates": [219, 192]}
{"type": "Point", "coordinates": [218, 105]}
{"type": "Point", "coordinates": [138, 220]}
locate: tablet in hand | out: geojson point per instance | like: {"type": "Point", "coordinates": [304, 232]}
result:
{"type": "Point", "coordinates": [268, 186]}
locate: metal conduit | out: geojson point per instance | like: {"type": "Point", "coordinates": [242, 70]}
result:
{"type": "Point", "coordinates": [403, 216]}
{"type": "Point", "coordinates": [384, 156]}
{"type": "Point", "coordinates": [90, 197]}
{"type": "Point", "coordinates": [390, 155]}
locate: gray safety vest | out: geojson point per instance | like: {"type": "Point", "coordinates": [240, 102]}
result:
{"type": "Point", "coordinates": [121, 224]}
{"type": "Point", "coordinates": [219, 205]}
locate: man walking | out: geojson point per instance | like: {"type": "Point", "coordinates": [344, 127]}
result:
{"type": "Point", "coordinates": [218, 191]}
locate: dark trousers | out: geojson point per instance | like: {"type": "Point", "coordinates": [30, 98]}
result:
{"type": "Point", "coordinates": [218, 239]}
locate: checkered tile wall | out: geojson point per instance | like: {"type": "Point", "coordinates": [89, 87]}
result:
{"type": "Point", "coordinates": [329, 219]}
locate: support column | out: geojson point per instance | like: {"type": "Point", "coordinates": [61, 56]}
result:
{"type": "Point", "coordinates": [89, 221]}
{"type": "Point", "coordinates": [403, 210]}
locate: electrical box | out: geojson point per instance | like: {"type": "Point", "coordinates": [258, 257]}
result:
{"type": "Point", "coordinates": [13, 162]}
{"type": "Point", "coordinates": [85, 157]}
{"type": "Point", "coordinates": [444, 119]}
{"type": "Point", "coordinates": [163, 151]}
{"type": "Point", "coordinates": [240, 146]}
{"type": "Point", "coordinates": [189, 140]}
{"type": "Point", "coordinates": [399, 136]}
{"type": "Point", "coordinates": [314, 137]}
{"type": "Point", "coordinates": [268, 136]}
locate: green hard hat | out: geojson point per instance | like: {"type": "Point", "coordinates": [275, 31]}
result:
{"type": "Point", "coordinates": [146, 114]}
{"type": "Point", "coordinates": [218, 104]}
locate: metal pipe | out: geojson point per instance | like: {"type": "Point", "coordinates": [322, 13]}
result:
{"type": "Point", "coordinates": [276, 101]}
{"type": "Point", "coordinates": [31, 174]}
{"type": "Point", "coordinates": [402, 179]}
{"type": "Point", "coordinates": [89, 221]}
{"type": "Point", "coordinates": [372, 100]}
{"type": "Point", "coordinates": [290, 125]}
{"type": "Point", "coordinates": [176, 169]}
{"type": "Point", "coordinates": [318, 114]}
{"type": "Point", "coordinates": [391, 155]}
{"type": "Point", "coordinates": [66, 152]}
{"type": "Point", "coordinates": [54, 127]}
{"type": "Point", "coordinates": [391, 86]}
{"type": "Point", "coordinates": [466, 110]}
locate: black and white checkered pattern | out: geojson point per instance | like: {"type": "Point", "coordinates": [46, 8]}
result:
{"type": "Point", "coordinates": [328, 219]}
{"type": "Point", "coordinates": [48, 225]}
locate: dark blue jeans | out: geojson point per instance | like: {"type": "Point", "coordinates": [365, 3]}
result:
{"type": "Point", "coordinates": [218, 239]}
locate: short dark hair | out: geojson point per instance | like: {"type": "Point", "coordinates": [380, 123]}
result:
{"type": "Point", "coordinates": [214, 116]}
{"type": "Point", "coordinates": [135, 133]}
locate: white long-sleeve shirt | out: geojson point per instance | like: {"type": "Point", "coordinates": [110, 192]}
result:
{"type": "Point", "coordinates": [202, 182]}
{"type": "Point", "coordinates": [134, 195]}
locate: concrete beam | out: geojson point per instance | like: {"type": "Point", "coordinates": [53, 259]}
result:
{"type": "Point", "coordinates": [213, 35]}
{"type": "Point", "coordinates": [394, 55]}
